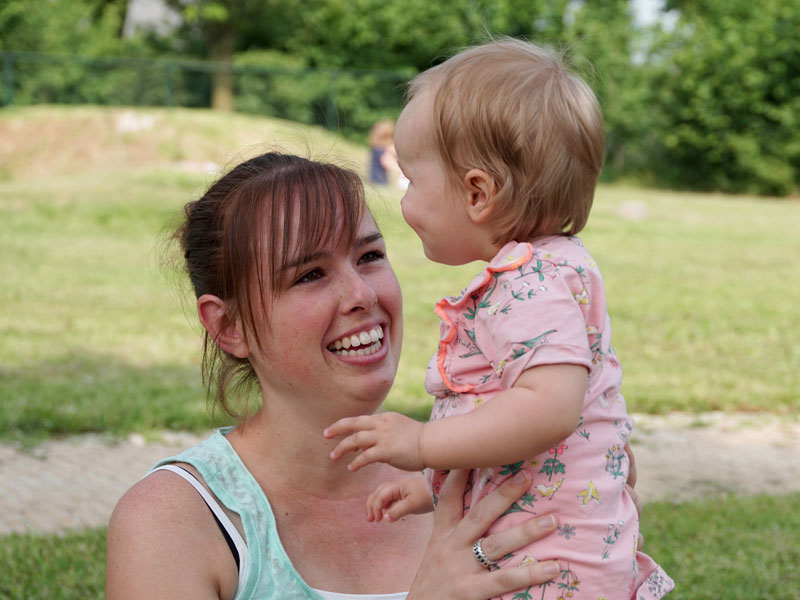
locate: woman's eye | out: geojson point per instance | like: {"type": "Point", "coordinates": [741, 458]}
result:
{"type": "Point", "coordinates": [312, 275]}
{"type": "Point", "coordinates": [372, 256]}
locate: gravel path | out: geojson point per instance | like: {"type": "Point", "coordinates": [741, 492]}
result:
{"type": "Point", "coordinates": [75, 483]}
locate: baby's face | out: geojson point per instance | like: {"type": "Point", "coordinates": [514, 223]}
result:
{"type": "Point", "coordinates": [432, 205]}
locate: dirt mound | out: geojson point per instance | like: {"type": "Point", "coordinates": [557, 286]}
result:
{"type": "Point", "coordinates": [56, 140]}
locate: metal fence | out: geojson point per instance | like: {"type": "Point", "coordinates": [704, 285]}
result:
{"type": "Point", "coordinates": [345, 100]}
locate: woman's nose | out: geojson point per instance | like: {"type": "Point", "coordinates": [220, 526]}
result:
{"type": "Point", "coordinates": [358, 294]}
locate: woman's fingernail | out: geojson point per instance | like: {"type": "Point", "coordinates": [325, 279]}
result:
{"type": "Point", "coordinates": [551, 570]}
{"type": "Point", "coordinates": [520, 477]}
{"type": "Point", "coordinates": [547, 522]}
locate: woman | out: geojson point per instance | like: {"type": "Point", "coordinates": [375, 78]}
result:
{"type": "Point", "coordinates": [297, 298]}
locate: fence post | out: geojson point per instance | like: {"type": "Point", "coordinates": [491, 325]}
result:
{"type": "Point", "coordinates": [8, 79]}
{"type": "Point", "coordinates": [169, 85]}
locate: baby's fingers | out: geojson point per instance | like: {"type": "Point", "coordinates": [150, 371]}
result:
{"type": "Point", "coordinates": [366, 457]}
{"type": "Point", "coordinates": [381, 497]}
{"type": "Point", "coordinates": [399, 509]}
{"type": "Point", "coordinates": [351, 443]}
{"type": "Point", "coordinates": [349, 425]}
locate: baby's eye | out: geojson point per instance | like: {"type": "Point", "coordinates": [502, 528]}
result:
{"type": "Point", "coordinates": [309, 276]}
{"type": "Point", "coordinates": [372, 256]}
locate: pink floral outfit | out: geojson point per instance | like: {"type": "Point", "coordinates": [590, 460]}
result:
{"type": "Point", "coordinates": [536, 304]}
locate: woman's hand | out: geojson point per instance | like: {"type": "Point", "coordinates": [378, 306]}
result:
{"type": "Point", "coordinates": [449, 569]}
{"type": "Point", "coordinates": [629, 485]}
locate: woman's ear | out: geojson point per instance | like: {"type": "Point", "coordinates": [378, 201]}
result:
{"type": "Point", "coordinates": [228, 334]}
{"type": "Point", "coordinates": [481, 191]}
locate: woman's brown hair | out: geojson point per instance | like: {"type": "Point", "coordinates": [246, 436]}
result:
{"type": "Point", "coordinates": [238, 238]}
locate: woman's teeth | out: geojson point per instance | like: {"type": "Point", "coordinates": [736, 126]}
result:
{"type": "Point", "coordinates": [359, 344]}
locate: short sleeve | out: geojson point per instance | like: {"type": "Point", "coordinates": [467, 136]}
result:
{"type": "Point", "coordinates": [534, 319]}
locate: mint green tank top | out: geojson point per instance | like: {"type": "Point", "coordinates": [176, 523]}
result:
{"type": "Point", "coordinates": [270, 573]}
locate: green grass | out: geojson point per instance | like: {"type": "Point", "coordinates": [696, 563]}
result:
{"type": "Point", "coordinates": [53, 567]}
{"type": "Point", "coordinates": [94, 336]}
{"type": "Point", "coordinates": [727, 547]}
{"type": "Point", "coordinates": [702, 296]}
{"type": "Point", "coordinates": [731, 548]}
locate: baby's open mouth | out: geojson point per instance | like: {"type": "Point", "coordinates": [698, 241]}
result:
{"type": "Point", "coordinates": [359, 344]}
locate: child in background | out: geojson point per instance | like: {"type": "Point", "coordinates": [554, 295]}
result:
{"type": "Point", "coordinates": [503, 148]}
{"type": "Point", "coordinates": [382, 160]}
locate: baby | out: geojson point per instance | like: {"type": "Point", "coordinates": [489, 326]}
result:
{"type": "Point", "coordinates": [503, 148]}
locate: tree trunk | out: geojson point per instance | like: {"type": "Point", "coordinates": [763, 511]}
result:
{"type": "Point", "coordinates": [221, 49]}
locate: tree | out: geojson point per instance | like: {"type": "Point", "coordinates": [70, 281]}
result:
{"type": "Point", "coordinates": [410, 34]}
{"type": "Point", "coordinates": [726, 91]}
{"type": "Point", "coordinates": [219, 24]}
{"type": "Point", "coordinates": [603, 42]}
{"type": "Point", "coordinates": [75, 27]}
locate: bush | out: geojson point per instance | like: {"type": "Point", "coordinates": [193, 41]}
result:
{"type": "Point", "coordinates": [280, 85]}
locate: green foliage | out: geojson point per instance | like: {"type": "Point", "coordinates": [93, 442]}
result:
{"type": "Point", "coordinates": [288, 90]}
{"type": "Point", "coordinates": [394, 34]}
{"type": "Point", "coordinates": [386, 34]}
{"type": "Point", "coordinates": [79, 27]}
{"type": "Point", "coordinates": [279, 85]}
{"type": "Point", "coordinates": [74, 27]}
{"type": "Point", "coordinates": [602, 43]}
{"type": "Point", "coordinates": [219, 18]}
{"type": "Point", "coordinates": [726, 98]}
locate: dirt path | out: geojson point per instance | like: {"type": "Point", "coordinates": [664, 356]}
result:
{"type": "Point", "coordinates": [75, 483]}
{"type": "Point", "coordinates": [680, 457]}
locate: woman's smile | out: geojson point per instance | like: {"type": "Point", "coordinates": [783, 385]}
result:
{"type": "Point", "coordinates": [363, 343]}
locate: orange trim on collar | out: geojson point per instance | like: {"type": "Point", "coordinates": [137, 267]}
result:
{"type": "Point", "coordinates": [439, 310]}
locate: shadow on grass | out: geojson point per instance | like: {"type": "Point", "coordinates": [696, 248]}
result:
{"type": "Point", "coordinates": [91, 393]}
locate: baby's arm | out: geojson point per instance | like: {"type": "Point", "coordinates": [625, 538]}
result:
{"type": "Point", "coordinates": [398, 498]}
{"type": "Point", "coordinates": [540, 410]}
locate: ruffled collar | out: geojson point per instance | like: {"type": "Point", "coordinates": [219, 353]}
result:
{"type": "Point", "coordinates": [511, 256]}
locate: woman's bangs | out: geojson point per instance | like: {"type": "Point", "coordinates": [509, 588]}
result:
{"type": "Point", "coordinates": [321, 208]}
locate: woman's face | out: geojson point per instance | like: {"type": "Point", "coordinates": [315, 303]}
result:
{"type": "Point", "coordinates": [334, 331]}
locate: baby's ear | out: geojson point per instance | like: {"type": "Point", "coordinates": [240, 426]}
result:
{"type": "Point", "coordinates": [227, 333]}
{"type": "Point", "coordinates": [481, 191]}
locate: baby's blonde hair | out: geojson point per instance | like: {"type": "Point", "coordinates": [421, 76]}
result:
{"type": "Point", "coordinates": [513, 109]}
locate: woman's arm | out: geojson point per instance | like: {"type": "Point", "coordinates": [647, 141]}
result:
{"type": "Point", "coordinates": [164, 543]}
{"type": "Point", "coordinates": [449, 570]}
{"type": "Point", "coordinates": [541, 409]}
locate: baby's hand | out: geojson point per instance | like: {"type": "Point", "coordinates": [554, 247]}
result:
{"type": "Point", "coordinates": [386, 437]}
{"type": "Point", "coordinates": [397, 498]}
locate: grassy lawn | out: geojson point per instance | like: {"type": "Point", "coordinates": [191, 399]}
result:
{"type": "Point", "coordinates": [96, 335]}
{"type": "Point", "coordinates": [53, 567]}
{"type": "Point", "coordinates": [700, 291]}
{"type": "Point", "coordinates": [731, 548]}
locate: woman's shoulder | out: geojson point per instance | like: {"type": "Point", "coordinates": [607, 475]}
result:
{"type": "Point", "coordinates": [159, 495]}
{"type": "Point", "coordinates": [161, 528]}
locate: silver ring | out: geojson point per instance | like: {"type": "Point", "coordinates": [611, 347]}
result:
{"type": "Point", "coordinates": [477, 552]}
